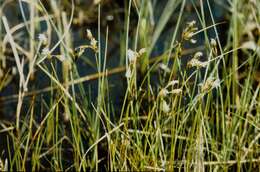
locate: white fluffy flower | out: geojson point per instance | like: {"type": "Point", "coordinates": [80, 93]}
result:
{"type": "Point", "coordinates": [193, 41]}
{"type": "Point", "coordinates": [14, 70]}
{"type": "Point", "coordinates": [172, 83]}
{"type": "Point", "coordinates": [89, 34]}
{"type": "Point", "coordinates": [176, 91]}
{"type": "Point", "coordinates": [128, 73]}
{"type": "Point", "coordinates": [45, 51]}
{"type": "Point", "coordinates": [198, 54]}
{"type": "Point", "coordinates": [131, 55]}
{"type": "Point", "coordinates": [209, 84]}
{"type": "Point", "coordinates": [142, 51]}
{"type": "Point", "coordinates": [191, 23]}
{"type": "Point", "coordinates": [42, 37]}
{"type": "Point", "coordinates": [163, 92]}
{"type": "Point", "coordinates": [93, 42]}
{"type": "Point", "coordinates": [196, 63]}
{"type": "Point", "coordinates": [164, 67]}
{"type": "Point", "coordinates": [213, 42]}
{"type": "Point", "coordinates": [165, 107]}
{"type": "Point", "coordinates": [216, 83]}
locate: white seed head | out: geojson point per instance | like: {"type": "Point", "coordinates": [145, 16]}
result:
{"type": "Point", "coordinates": [110, 17]}
{"type": "Point", "coordinates": [189, 35]}
{"type": "Point", "coordinates": [45, 51]}
{"type": "Point", "coordinates": [196, 63]}
{"type": "Point", "coordinates": [163, 92]}
{"type": "Point", "coordinates": [172, 83]}
{"type": "Point", "coordinates": [191, 23]}
{"type": "Point", "coordinates": [189, 31]}
{"type": "Point", "coordinates": [128, 73]}
{"type": "Point", "coordinates": [89, 34]}
{"type": "Point", "coordinates": [213, 42]}
{"type": "Point", "coordinates": [93, 43]}
{"type": "Point", "coordinates": [165, 107]}
{"type": "Point", "coordinates": [131, 55]}
{"type": "Point", "coordinates": [216, 83]}
{"type": "Point", "coordinates": [142, 51]}
{"type": "Point", "coordinates": [209, 84]}
{"type": "Point", "coordinates": [42, 37]}
{"type": "Point", "coordinates": [176, 91]}
{"type": "Point", "coordinates": [14, 70]}
{"type": "Point", "coordinates": [193, 41]}
{"type": "Point", "coordinates": [198, 54]}
{"type": "Point", "coordinates": [66, 116]}
{"type": "Point", "coordinates": [164, 67]}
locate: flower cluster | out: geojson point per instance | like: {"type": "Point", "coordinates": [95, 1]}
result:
{"type": "Point", "coordinates": [44, 41]}
{"type": "Point", "coordinates": [93, 41]}
{"type": "Point", "coordinates": [189, 32]}
{"type": "Point", "coordinates": [45, 51]}
{"type": "Point", "coordinates": [209, 84]}
{"type": "Point", "coordinates": [165, 92]}
{"type": "Point", "coordinates": [214, 44]}
{"type": "Point", "coordinates": [164, 67]}
{"type": "Point", "coordinates": [165, 107]}
{"type": "Point", "coordinates": [132, 57]}
{"type": "Point", "coordinates": [43, 38]}
{"type": "Point", "coordinates": [195, 62]}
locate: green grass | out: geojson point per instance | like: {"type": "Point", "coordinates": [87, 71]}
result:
{"type": "Point", "coordinates": [188, 109]}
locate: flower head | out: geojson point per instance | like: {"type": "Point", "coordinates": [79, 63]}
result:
{"type": "Point", "coordinates": [128, 73]}
{"type": "Point", "coordinates": [191, 23]}
{"type": "Point", "coordinates": [131, 55]}
{"type": "Point", "coordinates": [198, 54]}
{"type": "Point", "coordinates": [189, 31]}
{"type": "Point", "coordinates": [176, 91]}
{"type": "Point", "coordinates": [45, 51]}
{"type": "Point", "coordinates": [142, 51]}
{"type": "Point", "coordinates": [209, 84]}
{"type": "Point", "coordinates": [14, 70]}
{"type": "Point", "coordinates": [193, 41]}
{"type": "Point", "coordinates": [164, 67]}
{"type": "Point", "coordinates": [42, 38]}
{"type": "Point", "coordinates": [165, 107]}
{"type": "Point", "coordinates": [213, 42]}
{"type": "Point", "coordinates": [89, 34]}
{"type": "Point", "coordinates": [163, 92]}
{"type": "Point", "coordinates": [196, 63]}
{"type": "Point", "coordinates": [93, 41]}
{"type": "Point", "coordinates": [172, 83]}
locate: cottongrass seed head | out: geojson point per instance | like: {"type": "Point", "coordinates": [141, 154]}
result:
{"type": "Point", "coordinates": [165, 107]}
{"type": "Point", "coordinates": [209, 84]}
{"type": "Point", "coordinates": [43, 38]}
{"type": "Point", "coordinates": [131, 56]}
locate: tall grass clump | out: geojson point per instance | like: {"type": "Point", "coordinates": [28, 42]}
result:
{"type": "Point", "coordinates": [167, 87]}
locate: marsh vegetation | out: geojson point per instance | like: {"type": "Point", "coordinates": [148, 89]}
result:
{"type": "Point", "coordinates": [130, 85]}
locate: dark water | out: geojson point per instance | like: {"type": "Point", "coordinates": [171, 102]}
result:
{"type": "Point", "coordinates": [116, 30]}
